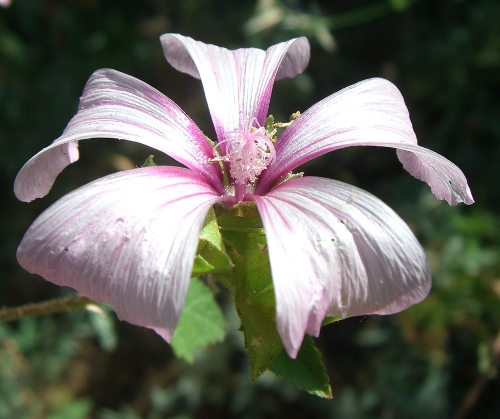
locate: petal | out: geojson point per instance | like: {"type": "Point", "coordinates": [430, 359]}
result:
{"type": "Point", "coordinates": [237, 83]}
{"type": "Point", "coordinates": [115, 105]}
{"type": "Point", "coordinates": [337, 250]}
{"type": "Point", "coordinates": [372, 113]}
{"type": "Point", "coordinates": [128, 239]}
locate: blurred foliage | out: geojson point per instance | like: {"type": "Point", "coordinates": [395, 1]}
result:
{"type": "Point", "coordinates": [445, 58]}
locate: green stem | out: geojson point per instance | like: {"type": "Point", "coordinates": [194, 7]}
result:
{"type": "Point", "coordinates": [44, 307]}
{"type": "Point", "coordinates": [358, 16]}
{"type": "Point", "coordinates": [365, 14]}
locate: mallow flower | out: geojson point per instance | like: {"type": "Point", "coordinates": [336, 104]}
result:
{"type": "Point", "coordinates": [129, 239]}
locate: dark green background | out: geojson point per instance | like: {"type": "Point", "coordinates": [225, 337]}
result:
{"type": "Point", "coordinates": [445, 58]}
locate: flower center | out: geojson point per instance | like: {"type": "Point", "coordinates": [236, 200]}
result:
{"type": "Point", "coordinates": [248, 152]}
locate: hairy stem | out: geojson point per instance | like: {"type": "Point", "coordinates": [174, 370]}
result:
{"type": "Point", "coordinates": [44, 307]}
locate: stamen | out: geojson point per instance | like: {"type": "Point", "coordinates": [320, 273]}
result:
{"type": "Point", "coordinates": [248, 152]}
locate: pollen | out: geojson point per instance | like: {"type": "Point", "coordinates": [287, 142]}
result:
{"type": "Point", "coordinates": [248, 153]}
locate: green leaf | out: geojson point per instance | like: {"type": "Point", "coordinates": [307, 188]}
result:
{"type": "Point", "coordinates": [329, 320]}
{"type": "Point", "coordinates": [252, 284]}
{"type": "Point", "coordinates": [201, 322]}
{"type": "Point", "coordinates": [307, 371]}
{"type": "Point", "coordinates": [75, 409]}
{"type": "Point", "coordinates": [254, 299]}
{"type": "Point", "coordinates": [211, 254]}
{"type": "Point", "coordinates": [261, 341]}
{"type": "Point", "coordinates": [201, 266]}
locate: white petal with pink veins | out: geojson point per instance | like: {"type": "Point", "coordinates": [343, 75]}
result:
{"type": "Point", "coordinates": [237, 83]}
{"type": "Point", "coordinates": [369, 113]}
{"type": "Point", "coordinates": [128, 239]}
{"type": "Point", "coordinates": [116, 105]}
{"type": "Point", "coordinates": [336, 250]}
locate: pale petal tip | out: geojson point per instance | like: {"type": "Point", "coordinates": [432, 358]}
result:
{"type": "Point", "coordinates": [446, 180]}
{"type": "Point", "coordinates": [296, 58]}
{"type": "Point", "coordinates": [292, 336]}
{"type": "Point", "coordinates": [455, 191]}
{"type": "Point", "coordinates": [165, 334]}
{"type": "Point", "coordinates": [293, 344]}
{"type": "Point", "coordinates": [177, 55]}
{"type": "Point", "coordinates": [36, 177]}
{"type": "Point", "coordinates": [465, 197]}
{"type": "Point", "coordinates": [176, 51]}
{"type": "Point", "coordinates": [292, 348]}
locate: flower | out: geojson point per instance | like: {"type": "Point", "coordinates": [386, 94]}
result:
{"type": "Point", "coordinates": [129, 239]}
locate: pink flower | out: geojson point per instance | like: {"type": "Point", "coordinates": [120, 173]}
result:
{"type": "Point", "coordinates": [129, 239]}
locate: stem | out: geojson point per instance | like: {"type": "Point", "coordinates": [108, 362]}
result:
{"type": "Point", "coordinates": [358, 16]}
{"type": "Point", "coordinates": [364, 14]}
{"type": "Point", "coordinates": [44, 307]}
